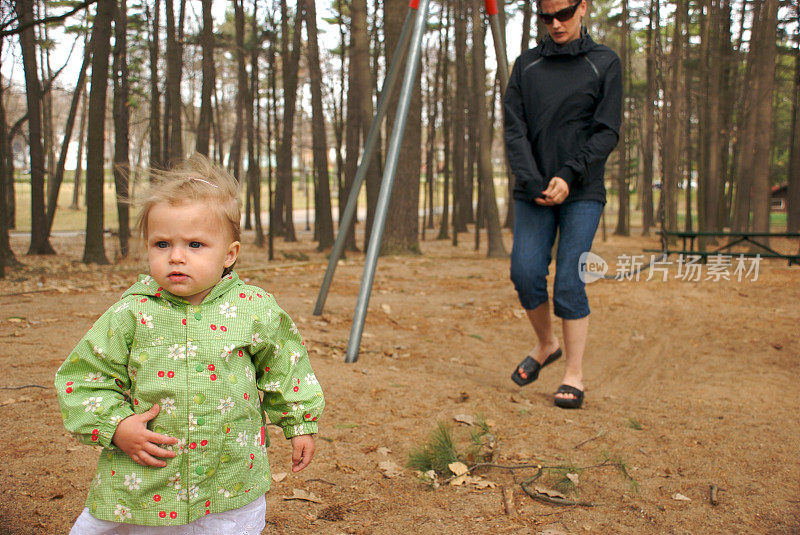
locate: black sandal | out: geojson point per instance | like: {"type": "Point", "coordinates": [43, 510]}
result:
{"type": "Point", "coordinates": [569, 403]}
{"type": "Point", "coordinates": [531, 367]}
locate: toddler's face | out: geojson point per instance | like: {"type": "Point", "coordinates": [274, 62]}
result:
{"type": "Point", "coordinates": [188, 248]}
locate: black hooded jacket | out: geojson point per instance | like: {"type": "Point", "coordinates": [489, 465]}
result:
{"type": "Point", "coordinates": [562, 117]}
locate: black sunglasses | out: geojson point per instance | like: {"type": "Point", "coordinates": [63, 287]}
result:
{"type": "Point", "coordinates": [563, 15]}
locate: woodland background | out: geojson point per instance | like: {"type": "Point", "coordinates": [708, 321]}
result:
{"type": "Point", "coordinates": [711, 135]}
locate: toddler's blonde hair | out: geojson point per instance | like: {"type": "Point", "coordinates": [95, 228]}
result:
{"type": "Point", "coordinates": [195, 179]}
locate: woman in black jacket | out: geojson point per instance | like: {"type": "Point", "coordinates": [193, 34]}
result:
{"type": "Point", "coordinates": [562, 119]}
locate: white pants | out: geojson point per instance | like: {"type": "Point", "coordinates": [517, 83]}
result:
{"type": "Point", "coordinates": [247, 520]}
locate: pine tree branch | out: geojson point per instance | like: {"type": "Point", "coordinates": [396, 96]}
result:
{"type": "Point", "coordinates": [47, 20]}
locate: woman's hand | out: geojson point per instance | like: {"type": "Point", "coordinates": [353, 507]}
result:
{"type": "Point", "coordinates": [303, 447]}
{"type": "Point", "coordinates": [133, 437]}
{"type": "Point", "coordinates": [556, 192]}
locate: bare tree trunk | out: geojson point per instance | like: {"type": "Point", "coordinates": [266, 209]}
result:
{"type": "Point", "coordinates": [94, 248]}
{"type": "Point", "coordinates": [730, 67]}
{"type": "Point", "coordinates": [527, 12]}
{"type": "Point", "coordinates": [494, 236]}
{"type": "Point", "coordinates": [156, 156]}
{"type": "Point", "coordinates": [271, 127]}
{"type": "Point", "coordinates": [253, 166]}
{"type": "Point", "coordinates": [646, 192]}
{"type": "Point", "coordinates": [433, 113]}
{"type": "Point", "coordinates": [368, 81]}
{"type": "Point", "coordinates": [686, 121]}
{"type": "Point", "coordinates": [444, 59]}
{"type": "Point", "coordinates": [793, 193]}
{"type": "Point", "coordinates": [58, 177]}
{"type": "Point", "coordinates": [48, 131]}
{"type": "Point", "coordinates": [40, 240]}
{"type": "Point", "coordinates": [79, 160]}
{"type": "Point", "coordinates": [359, 114]}
{"type": "Point", "coordinates": [765, 67]}
{"type": "Point", "coordinates": [284, 178]}
{"type": "Point", "coordinates": [459, 122]}
{"type": "Point", "coordinates": [6, 254]}
{"type": "Point", "coordinates": [121, 125]}
{"type": "Point", "coordinates": [672, 127]}
{"type": "Point", "coordinates": [338, 126]}
{"type": "Point", "coordinates": [402, 219]}
{"type": "Point", "coordinates": [174, 135]}
{"type": "Point", "coordinates": [322, 217]}
{"type": "Point", "coordinates": [209, 80]}
{"type": "Point", "coordinates": [753, 87]}
{"type": "Point", "coordinates": [623, 193]}
{"type": "Point", "coordinates": [235, 155]}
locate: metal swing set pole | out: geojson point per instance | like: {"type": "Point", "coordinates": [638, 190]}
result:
{"type": "Point", "coordinates": [420, 9]}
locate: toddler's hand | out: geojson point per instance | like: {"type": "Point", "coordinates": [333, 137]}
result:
{"type": "Point", "coordinates": [133, 437]}
{"type": "Point", "coordinates": [303, 447]}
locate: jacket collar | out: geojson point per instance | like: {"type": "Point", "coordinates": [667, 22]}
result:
{"type": "Point", "coordinates": [581, 45]}
{"type": "Point", "coordinates": [147, 286]}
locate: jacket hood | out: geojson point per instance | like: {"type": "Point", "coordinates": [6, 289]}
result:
{"type": "Point", "coordinates": [581, 45]}
{"type": "Point", "coordinates": [147, 286]}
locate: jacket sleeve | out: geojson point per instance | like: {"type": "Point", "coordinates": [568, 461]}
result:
{"type": "Point", "coordinates": [605, 127]}
{"type": "Point", "coordinates": [92, 383]}
{"type": "Point", "coordinates": [518, 146]}
{"type": "Point", "coordinates": [293, 398]}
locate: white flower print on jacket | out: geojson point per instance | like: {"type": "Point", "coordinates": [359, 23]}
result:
{"type": "Point", "coordinates": [95, 377]}
{"type": "Point", "coordinates": [177, 352]}
{"type": "Point", "coordinates": [122, 512]}
{"type": "Point", "coordinates": [225, 405]}
{"type": "Point", "coordinates": [227, 310]}
{"type": "Point", "coordinates": [91, 404]}
{"type": "Point", "coordinates": [167, 405]}
{"type": "Point", "coordinates": [226, 352]}
{"type": "Point", "coordinates": [132, 481]}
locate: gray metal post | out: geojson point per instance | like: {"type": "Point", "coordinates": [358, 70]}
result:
{"type": "Point", "coordinates": [346, 219]}
{"type": "Point", "coordinates": [387, 183]}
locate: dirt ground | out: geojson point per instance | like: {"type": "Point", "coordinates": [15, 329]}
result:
{"type": "Point", "coordinates": [689, 384]}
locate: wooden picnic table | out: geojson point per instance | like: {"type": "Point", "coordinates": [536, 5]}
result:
{"type": "Point", "coordinates": [690, 245]}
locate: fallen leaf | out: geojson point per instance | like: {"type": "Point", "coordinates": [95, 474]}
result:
{"type": "Point", "coordinates": [458, 468]}
{"type": "Point", "coordinates": [551, 531]}
{"type": "Point", "coordinates": [464, 419]}
{"type": "Point", "coordinates": [300, 494]}
{"type": "Point", "coordinates": [680, 497]}
{"type": "Point", "coordinates": [481, 483]}
{"type": "Point", "coordinates": [549, 492]}
{"type": "Point", "coordinates": [458, 481]}
{"type": "Point", "coordinates": [390, 469]}
{"type": "Point", "coordinates": [573, 478]}
{"type": "Point", "coordinates": [386, 309]}
{"type": "Point", "coordinates": [280, 476]}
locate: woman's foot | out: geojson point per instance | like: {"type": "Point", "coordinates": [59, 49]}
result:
{"type": "Point", "coordinates": [568, 397]}
{"type": "Point", "coordinates": [574, 381]}
{"type": "Point", "coordinates": [540, 354]}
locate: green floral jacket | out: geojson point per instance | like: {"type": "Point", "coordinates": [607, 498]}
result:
{"type": "Point", "coordinates": [205, 366]}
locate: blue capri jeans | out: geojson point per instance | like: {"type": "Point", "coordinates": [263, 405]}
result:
{"type": "Point", "coordinates": [534, 233]}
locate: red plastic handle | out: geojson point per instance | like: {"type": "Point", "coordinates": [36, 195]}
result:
{"type": "Point", "coordinates": [491, 7]}
{"type": "Point", "coordinates": [414, 4]}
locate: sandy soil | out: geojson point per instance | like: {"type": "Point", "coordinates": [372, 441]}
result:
{"type": "Point", "coordinates": [689, 384]}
